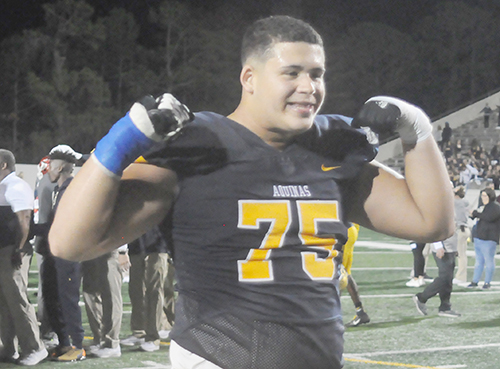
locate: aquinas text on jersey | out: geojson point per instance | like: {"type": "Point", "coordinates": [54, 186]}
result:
{"type": "Point", "coordinates": [291, 191]}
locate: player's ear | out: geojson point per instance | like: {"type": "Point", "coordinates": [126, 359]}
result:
{"type": "Point", "coordinates": [247, 78]}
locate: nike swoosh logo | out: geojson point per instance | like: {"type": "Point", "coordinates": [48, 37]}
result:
{"type": "Point", "coordinates": [326, 169]}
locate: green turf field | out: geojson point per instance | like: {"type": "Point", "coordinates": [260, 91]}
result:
{"type": "Point", "coordinates": [396, 337]}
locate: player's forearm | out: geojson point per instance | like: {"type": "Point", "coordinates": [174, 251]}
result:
{"type": "Point", "coordinates": [84, 213]}
{"type": "Point", "coordinates": [429, 185]}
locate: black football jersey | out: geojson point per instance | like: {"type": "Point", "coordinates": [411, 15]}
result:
{"type": "Point", "coordinates": [256, 232]}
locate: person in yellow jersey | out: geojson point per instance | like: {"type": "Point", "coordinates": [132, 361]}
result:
{"type": "Point", "coordinates": [361, 316]}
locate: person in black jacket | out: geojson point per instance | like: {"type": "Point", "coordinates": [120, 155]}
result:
{"type": "Point", "coordinates": [486, 237]}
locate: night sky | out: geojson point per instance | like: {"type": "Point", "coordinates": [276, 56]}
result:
{"type": "Point", "coordinates": [16, 15]}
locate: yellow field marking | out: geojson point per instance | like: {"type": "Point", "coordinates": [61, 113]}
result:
{"type": "Point", "coordinates": [401, 365]}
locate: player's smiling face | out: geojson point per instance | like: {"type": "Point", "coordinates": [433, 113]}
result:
{"type": "Point", "coordinates": [289, 86]}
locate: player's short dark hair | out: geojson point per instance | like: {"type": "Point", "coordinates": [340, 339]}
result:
{"type": "Point", "coordinates": [59, 155]}
{"type": "Point", "coordinates": [260, 37]}
{"type": "Point", "coordinates": [8, 158]}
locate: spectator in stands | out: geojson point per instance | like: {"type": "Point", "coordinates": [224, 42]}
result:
{"type": "Point", "coordinates": [467, 172]}
{"type": "Point", "coordinates": [495, 177]}
{"type": "Point", "coordinates": [475, 148]}
{"type": "Point", "coordinates": [447, 149]}
{"type": "Point", "coordinates": [446, 135]}
{"type": "Point", "coordinates": [498, 119]}
{"type": "Point", "coordinates": [495, 153]}
{"type": "Point", "coordinates": [17, 315]}
{"type": "Point", "coordinates": [486, 237]}
{"type": "Point", "coordinates": [487, 113]}
{"type": "Point", "coordinates": [458, 147]}
{"type": "Point", "coordinates": [437, 133]}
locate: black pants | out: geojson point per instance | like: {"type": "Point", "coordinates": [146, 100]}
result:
{"type": "Point", "coordinates": [418, 260]}
{"type": "Point", "coordinates": [443, 284]}
{"type": "Point", "coordinates": [61, 281]}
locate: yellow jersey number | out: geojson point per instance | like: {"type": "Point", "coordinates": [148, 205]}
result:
{"type": "Point", "coordinates": [258, 267]}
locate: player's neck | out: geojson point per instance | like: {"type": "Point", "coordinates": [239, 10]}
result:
{"type": "Point", "coordinates": [273, 138]}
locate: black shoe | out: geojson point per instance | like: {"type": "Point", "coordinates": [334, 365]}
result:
{"type": "Point", "coordinates": [421, 307]}
{"type": "Point", "coordinates": [360, 318]}
{"type": "Point", "coordinates": [449, 313]}
{"type": "Point", "coordinates": [428, 278]}
{"type": "Point", "coordinates": [472, 285]}
{"type": "Point", "coordinates": [486, 286]}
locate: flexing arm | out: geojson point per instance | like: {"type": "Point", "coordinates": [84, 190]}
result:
{"type": "Point", "coordinates": [106, 206]}
{"type": "Point", "coordinates": [418, 206]}
{"type": "Point", "coordinates": [99, 213]}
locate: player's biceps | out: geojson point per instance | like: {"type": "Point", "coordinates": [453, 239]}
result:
{"type": "Point", "coordinates": [394, 212]}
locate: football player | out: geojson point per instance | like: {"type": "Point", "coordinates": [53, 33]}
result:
{"type": "Point", "coordinates": [361, 316]}
{"type": "Point", "coordinates": [259, 202]}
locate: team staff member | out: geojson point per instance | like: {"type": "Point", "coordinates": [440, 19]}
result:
{"type": "Point", "coordinates": [17, 315]}
{"type": "Point", "coordinates": [260, 203]}
{"type": "Point", "coordinates": [61, 279]}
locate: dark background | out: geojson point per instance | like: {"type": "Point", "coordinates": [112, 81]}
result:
{"type": "Point", "coordinates": [68, 76]}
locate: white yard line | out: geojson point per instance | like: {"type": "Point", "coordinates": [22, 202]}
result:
{"type": "Point", "coordinates": [489, 292]}
{"type": "Point", "coordinates": [430, 349]}
{"type": "Point", "coordinates": [398, 247]}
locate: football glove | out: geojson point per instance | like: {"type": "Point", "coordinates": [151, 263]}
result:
{"type": "Point", "coordinates": [148, 121]}
{"type": "Point", "coordinates": [384, 114]}
{"type": "Point", "coordinates": [343, 278]}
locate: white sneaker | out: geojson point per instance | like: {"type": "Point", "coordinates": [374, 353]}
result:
{"type": "Point", "coordinates": [459, 282]}
{"type": "Point", "coordinates": [34, 358]}
{"type": "Point", "coordinates": [150, 346]}
{"type": "Point", "coordinates": [415, 282]}
{"type": "Point", "coordinates": [107, 352]}
{"type": "Point", "coordinates": [164, 334]}
{"type": "Point", "coordinates": [93, 348]}
{"type": "Point", "coordinates": [132, 341]}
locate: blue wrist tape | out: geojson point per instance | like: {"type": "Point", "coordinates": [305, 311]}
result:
{"type": "Point", "coordinates": [121, 146]}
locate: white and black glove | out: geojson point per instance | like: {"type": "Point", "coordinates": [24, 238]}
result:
{"type": "Point", "coordinates": [166, 116]}
{"type": "Point", "coordinates": [384, 114]}
{"type": "Point", "coordinates": [148, 121]}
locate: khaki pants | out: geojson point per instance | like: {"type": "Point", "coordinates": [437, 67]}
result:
{"type": "Point", "coordinates": [17, 315]}
{"type": "Point", "coordinates": [461, 274]}
{"type": "Point", "coordinates": [102, 282]}
{"type": "Point", "coordinates": [147, 279]}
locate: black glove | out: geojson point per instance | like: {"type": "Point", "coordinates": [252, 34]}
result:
{"type": "Point", "coordinates": [167, 114]}
{"type": "Point", "coordinates": [380, 118]}
{"type": "Point", "coordinates": [384, 114]}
